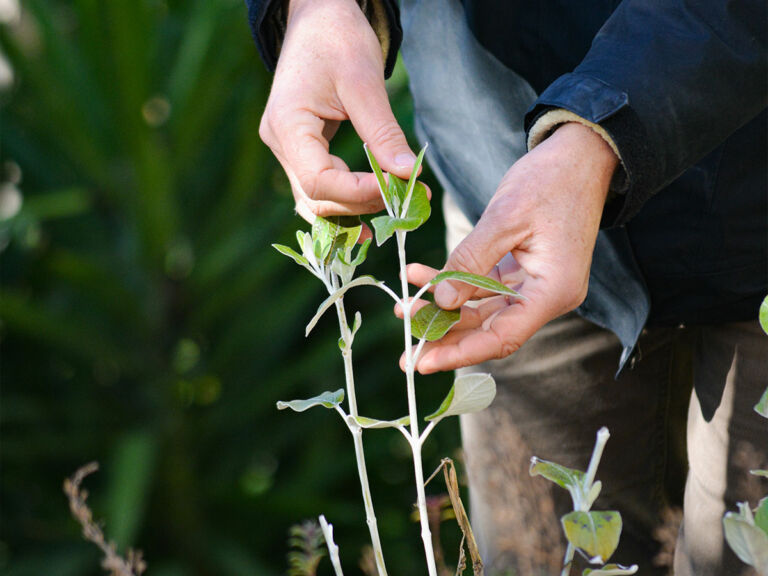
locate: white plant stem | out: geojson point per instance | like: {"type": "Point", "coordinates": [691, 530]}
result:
{"type": "Point", "coordinates": [357, 437]}
{"type": "Point", "coordinates": [589, 479]}
{"type": "Point", "coordinates": [333, 550]}
{"type": "Point", "coordinates": [415, 441]}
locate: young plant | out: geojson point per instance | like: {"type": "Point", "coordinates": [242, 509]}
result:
{"type": "Point", "coordinates": [746, 531]}
{"type": "Point", "coordinates": [328, 253]}
{"type": "Point", "coordinates": [595, 534]}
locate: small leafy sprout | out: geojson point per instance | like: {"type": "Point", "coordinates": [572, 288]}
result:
{"type": "Point", "coordinates": [307, 543]}
{"type": "Point", "coordinates": [595, 534]}
{"type": "Point", "coordinates": [763, 315]}
{"type": "Point", "coordinates": [328, 253]}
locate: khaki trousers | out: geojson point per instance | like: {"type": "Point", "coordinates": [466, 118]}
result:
{"type": "Point", "coordinates": [559, 389]}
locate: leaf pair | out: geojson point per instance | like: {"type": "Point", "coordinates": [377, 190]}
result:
{"type": "Point", "coordinates": [747, 534]}
{"type": "Point", "coordinates": [407, 204]}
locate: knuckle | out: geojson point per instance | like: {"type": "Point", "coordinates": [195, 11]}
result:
{"type": "Point", "coordinates": [308, 182]}
{"type": "Point", "coordinates": [386, 133]}
{"type": "Point", "coordinates": [265, 130]}
{"type": "Point", "coordinates": [508, 348]}
{"type": "Point", "coordinates": [464, 259]}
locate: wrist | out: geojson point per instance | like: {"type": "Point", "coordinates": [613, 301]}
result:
{"type": "Point", "coordinates": [587, 150]}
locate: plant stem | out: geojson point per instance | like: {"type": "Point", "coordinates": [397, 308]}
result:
{"type": "Point", "coordinates": [567, 560]}
{"type": "Point", "coordinates": [421, 498]}
{"type": "Point", "coordinates": [333, 550]}
{"type": "Point", "coordinates": [357, 437]}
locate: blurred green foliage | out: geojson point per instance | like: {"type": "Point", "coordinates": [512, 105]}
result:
{"type": "Point", "coordinates": [144, 320]}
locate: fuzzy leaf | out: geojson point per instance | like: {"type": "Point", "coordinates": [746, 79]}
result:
{"type": "Point", "coordinates": [748, 541]}
{"type": "Point", "coordinates": [292, 254]}
{"type": "Point", "coordinates": [469, 393]}
{"type": "Point", "coordinates": [763, 473]}
{"type": "Point", "coordinates": [326, 400]}
{"type": "Point", "coordinates": [476, 280]}
{"type": "Point", "coordinates": [432, 322]}
{"type": "Point", "coordinates": [335, 234]}
{"type": "Point", "coordinates": [761, 515]}
{"type": "Point", "coordinates": [611, 570]}
{"type": "Point", "coordinates": [564, 477]}
{"type": "Point", "coordinates": [597, 533]}
{"type": "Point", "coordinates": [362, 252]}
{"type": "Point", "coordinates": [385, 226]}
{"type": "Point", "coordinates": [418, 206]}
{"type": "Point", "coordinates": [328, 302]}
{"type": "Point", "coordinates": [357, 323]}
{"type": "Point", "coordinates": [385, 192]}
{"type": "Point", "coordinates": [372, 423]}
{"type": "Point", "coordinates": [763, 314]}
{"type": "Point", "coordinates": [762, 406]}
{"type": "Point", "coordinates": [412, 180]}
{"type": "Point", "coordinates": [396, 192]}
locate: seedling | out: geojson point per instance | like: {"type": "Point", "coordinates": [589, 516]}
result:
{"type": "Point", "coordinates": [595, 534]}
{"type": "Point", "coordinates": [331, 254]}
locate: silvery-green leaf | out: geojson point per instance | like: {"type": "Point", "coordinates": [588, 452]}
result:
{"type": "Point", "coordinates": [385, 226]}
{"type": "Point", "coordinates": [326, 400]}
{"type": "Point", "coordinates": [564, 477]}
{"type": "Point", "coordinates": [344, 270]}
{"type": "Point", "coordinates": [761, 515]}
{"type": "Point", "coordinates": [383, 187]}
{"type": "Point", "coordinates": [372, 423]}
{"type": "Point", "coordinates": [432, 322]}
{"type": "Point", "coordinates": [292, 254]}
{"type": "Point", "coordinates": [763, 473]}
{"type": "Point", "coordinates": [328, 302]}
{"type": "Point", "coordinates": [362, 252]}
{"type": "Point", "coordinates": [358, 321]}
{"type": "Point", "coordinates": [597, 533]}
{"type": "Point", "coordinates": [469, 393]}
{"type": "Point", "coordinates": [335, 234]}
{"type": "Point", "coordinates": [611, 570]}
{"type": "Point", "coordinates": [305, 242]}
{"type": "Point", "coordinates": [412, 180]}
{"type": "Point", "coordinates": [476, 280]}
{"type": "Point", "coordinates": [762, 406]}
{"type": "Point", "coordinates": [764, 315]}
{"type": "Point", "coordinates": [594, 492]}
{"type": "Point", "coordinates": [419, 206]}
{"type": "Point", "coordinates": [748, 541]}
{"type": "Point", "coordinates": [396, 192]}
{"type": "Point", "coordinates": [342, 343]}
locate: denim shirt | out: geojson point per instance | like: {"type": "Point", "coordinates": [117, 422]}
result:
{"type": "Point", "coordinates": [470, 108]}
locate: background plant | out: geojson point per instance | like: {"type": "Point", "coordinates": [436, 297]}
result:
{"type": "Point", "coordinates": [143, 321]}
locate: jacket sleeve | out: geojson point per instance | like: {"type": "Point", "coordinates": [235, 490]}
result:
{"type": "Point", "coordinates": [668, 80]}
{"type": "Point", "coordinates": [267, 20]}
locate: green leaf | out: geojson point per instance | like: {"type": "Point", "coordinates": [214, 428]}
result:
{"type": "Point", "coordinates": [372, 423]}
{"type": "Point", "coordinates": [763, 473]}
{"type": "Point", "coordinates": [564, 477]}
{"type": "Point", "coordinates": [761, 515]}
{"type": "Point", "coordinates": [611, 570]}
{"type": "Point", "coordinates": [357, 323]}
{"type": "Point", "coordinates": [396, 192]}
{"type": "Point", "coordinates": [764, 315]}
{"type": "Point", "coordinates": [748, 541]}
{"type": "Point", "coordinates": [469, 393]}
{"type": "Point", "coordinates": [762, 406]}
{"type": "Point", "coordinates": [335, 234]}
{"type": "Point", "coordinates": [291, 253]}
{"type": "Point", "coordinates": [362, 253]}
{"type": "Point", "coordinates": [385, 226]}
{"type": "Point", "coordinates": [432, 322]}
{"type": "Point", "coordinates": [476, 280]}
{"type": "Point", "coordinates": [419, 206]}
{"type": "Point", "coordinates": [412, 180]}
{"type": "Point", "coordinates": [328, 302]}
{"type": "Point", "coordinates": [596, 533]}
{"type": "Point", "coordinates": [385, 192]}
{"type": "Point", "coordinates": [327, 400]}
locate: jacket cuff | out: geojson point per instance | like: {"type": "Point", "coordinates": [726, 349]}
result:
{"type": "Point", "coordinates": [268, 21]}
{"type": "Point", "coordinates": [608, 108]}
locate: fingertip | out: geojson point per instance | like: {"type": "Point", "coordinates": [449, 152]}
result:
{"type": "Point", "coordinates": [446, 296]}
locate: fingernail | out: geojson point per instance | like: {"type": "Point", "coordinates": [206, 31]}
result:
{"type": "Point", "coordinates": [405, 160]}
{"type": "Point", "coordinates": [445, 295]}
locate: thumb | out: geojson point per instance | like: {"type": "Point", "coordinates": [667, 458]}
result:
{"type": "Point", "coordinates": [371, 115]}
{"type": "Point", "coordinates": [478, 253]}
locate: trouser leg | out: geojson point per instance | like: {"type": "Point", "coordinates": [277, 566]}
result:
{"type": "Point", "coordinates": [552, 397]}
{"type": "Point", "coordinates": [723, 450]}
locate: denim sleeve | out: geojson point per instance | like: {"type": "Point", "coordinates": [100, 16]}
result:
{"type": "Point", "coordinates": [267, 30]}
{"type": "Point", "coordinates": [669, 80]}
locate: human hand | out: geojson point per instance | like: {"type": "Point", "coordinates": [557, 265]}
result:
{"type": "Point", "coordinates": [536, 236]}
{"type": "Point", "coordinates": [331, 69]}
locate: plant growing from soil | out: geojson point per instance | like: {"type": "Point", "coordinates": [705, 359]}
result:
{"type": "Point", "coordinates": [595, 534]}
{"type": "Point", "coordinates": [331, 253]}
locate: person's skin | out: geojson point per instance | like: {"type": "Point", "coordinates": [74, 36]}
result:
{"type": "Point", "coordinates": [540, 227]}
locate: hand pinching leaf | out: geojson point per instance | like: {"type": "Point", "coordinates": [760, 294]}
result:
{"type": "Point", "coordinates": [432, 322]}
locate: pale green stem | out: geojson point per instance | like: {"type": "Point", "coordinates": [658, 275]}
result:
{"type": "Point", "coordinates": [357, 437]}
{"type": "Point", "coordinates": [589, 478]}
{"type": "Point", "coordinates": [421, 498]}
{"type": "Point", "coordinates": [333, 550]}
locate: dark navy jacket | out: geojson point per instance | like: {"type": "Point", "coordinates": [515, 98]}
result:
{"type": "Point", "coordinates": [682, 88]}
